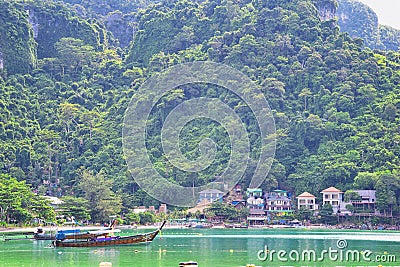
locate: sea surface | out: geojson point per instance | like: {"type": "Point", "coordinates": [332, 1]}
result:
{"type": "Point", "coordinates": [220, 248]}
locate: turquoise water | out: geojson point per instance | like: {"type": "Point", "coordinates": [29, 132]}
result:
{"type": "Point", "coordinates": [220, 248]}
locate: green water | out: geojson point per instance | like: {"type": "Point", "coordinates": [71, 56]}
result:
{"type": "Point", "coordinates": [215, 248]}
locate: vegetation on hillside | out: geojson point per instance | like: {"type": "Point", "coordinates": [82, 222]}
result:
{"type": "Point", "coordinates": [335, 102]}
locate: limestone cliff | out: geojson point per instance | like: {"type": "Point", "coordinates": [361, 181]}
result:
{"type": "Point", "coordinates": [359, 20]}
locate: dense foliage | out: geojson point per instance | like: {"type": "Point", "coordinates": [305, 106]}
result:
{"type": "Point", "coordinates": [19, 204]}
{"type": "Point", "coordinates": [335, 102]}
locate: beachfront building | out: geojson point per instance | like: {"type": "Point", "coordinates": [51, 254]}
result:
{"type": "Point", "coordinates": [140, 209]}
{"type": "Point", "coordinates": [278, 202]}
{"type": "Point", "coordinates": [256, 217]}
{"type": "Point", "coordinates": [306, 201]}
{"type": "Point", "coordinates": [366, 203]}
{"type": "Point", "coordinates": [254, 192]}
{"type": "Point", "coordinates": [237, 190]}
{"type": "Point", "coordinates": [210, 195]}
{"type": "Point", "coordinates": [163, 208]}
{"type": "Point", "coordinates": [333, 197]}
{"type": "Point", "coordinates": [55, 202]}
{"type": "Point", "coordinates": [235, 197]}
{"type": "Point", "coordinates": [255, 203]}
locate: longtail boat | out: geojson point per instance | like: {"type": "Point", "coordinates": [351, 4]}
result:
{"type": "Point", "coordinates": [44, 236]}
{"type": "Point", "coordinates": [101, 241]}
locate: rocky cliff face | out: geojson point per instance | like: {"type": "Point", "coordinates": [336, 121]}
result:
{"type": "Point", "coordinates": [33, 22]}
{"type": "Point", "coordinates": [17, 45]}
{"type": "Point", "coordinates": [326, 9]}
{"type": "Point", "coordinates": [52, 21]}
{"type": "Point", "coordinates": [1, 61]}
{"type": "Point", "coordinates": [121, 26]}
{"type": "Point", "coordinates": [359, 20]}
{"type": "Point", "coordinates": [390, 37]}
{"type": "Point", "coordinates": [29, 31]}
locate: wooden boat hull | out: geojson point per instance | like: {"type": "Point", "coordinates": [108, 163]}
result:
{"type": "Point", "coordinates": [44, 236]}
{"type": "Point", "coordinates": [109, 241]}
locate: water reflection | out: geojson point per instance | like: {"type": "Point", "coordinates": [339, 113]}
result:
{"type": "Point", "coordinates": [209, 247]}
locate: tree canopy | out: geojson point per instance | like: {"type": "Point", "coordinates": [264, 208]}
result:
{"type": "Point", "coordinates": [62, 99]}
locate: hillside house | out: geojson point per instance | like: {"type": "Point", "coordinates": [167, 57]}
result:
{"type": "Point", "coordinates": [306, 201]}
{"type": "Point", "coordinates": [278, 201]}
{"type": "Point", "coordinates": [333, 197]}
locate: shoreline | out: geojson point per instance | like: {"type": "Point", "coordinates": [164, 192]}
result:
{"type": "Point", "coordinates": [167, 226]}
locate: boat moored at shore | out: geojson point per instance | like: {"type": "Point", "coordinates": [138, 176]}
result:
{"type": "Point", "coordinates": [105, 240]}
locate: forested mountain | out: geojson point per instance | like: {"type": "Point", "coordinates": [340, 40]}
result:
{"type": "Point", "coordinates": [359, 20]}
{"type": "Point", "coordinates": [65, 85]}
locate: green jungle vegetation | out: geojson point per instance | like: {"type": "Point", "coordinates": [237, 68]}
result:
{"type": "Point", "coordinates": [68, 71]}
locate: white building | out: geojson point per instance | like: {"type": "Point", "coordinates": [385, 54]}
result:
{"type": "Point", "coordinates": [333, 197]}
{"type": "Point", "coordinates": [306, 201]}
{"type": "Point", "coordinates": [210, 195]}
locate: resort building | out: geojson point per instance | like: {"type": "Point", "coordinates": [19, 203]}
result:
{"type": "Point", "coordinates": [55, 202]}
{"type": "Point", "coordinates": [235, 197]}
{"type": "Point", "coordinates": [278, 201]}
{"type": "Point", "coordinates": [162, 208]}
{"type": "Point", "coordinates": [239, 204]}
{"type": "Point", "coordinates": [367, 202]}
{"type": "Point", "coordinates": [256, 217]}
{"type": "Point", "coordinates": [237, 190]}
{"type": "Point", "coordinates": [140, 209]}
{"type": "Point", "coordinates": [306, 201]}
{"type": "Point", "coordinates": [333, 197]}
{"type": "Point", "coordinates": [255, 200]}
{"type": "Point", "coordinates": [210, 195]}
{"type": "Point", "coordinates": [255, 203]}
{"type": "Point", "coordinates": [254, 192]}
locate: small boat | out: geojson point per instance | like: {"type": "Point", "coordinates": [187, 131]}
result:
{"type": "Point", "coordinates": [236, 226]}
{"type": "Point", "coordinates": [40, 234]}
{"type": "Point", "coordinates": [105, 240]}
{"type": "Point", "coordinates": [200, 225]}
{"type": "Point", "coordinates": [21, 237]}
{"type": "Point", "coordinates": [188, 263]}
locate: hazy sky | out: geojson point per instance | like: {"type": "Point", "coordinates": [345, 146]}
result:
{"type": "Point", "coordinates": [388, 11]}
